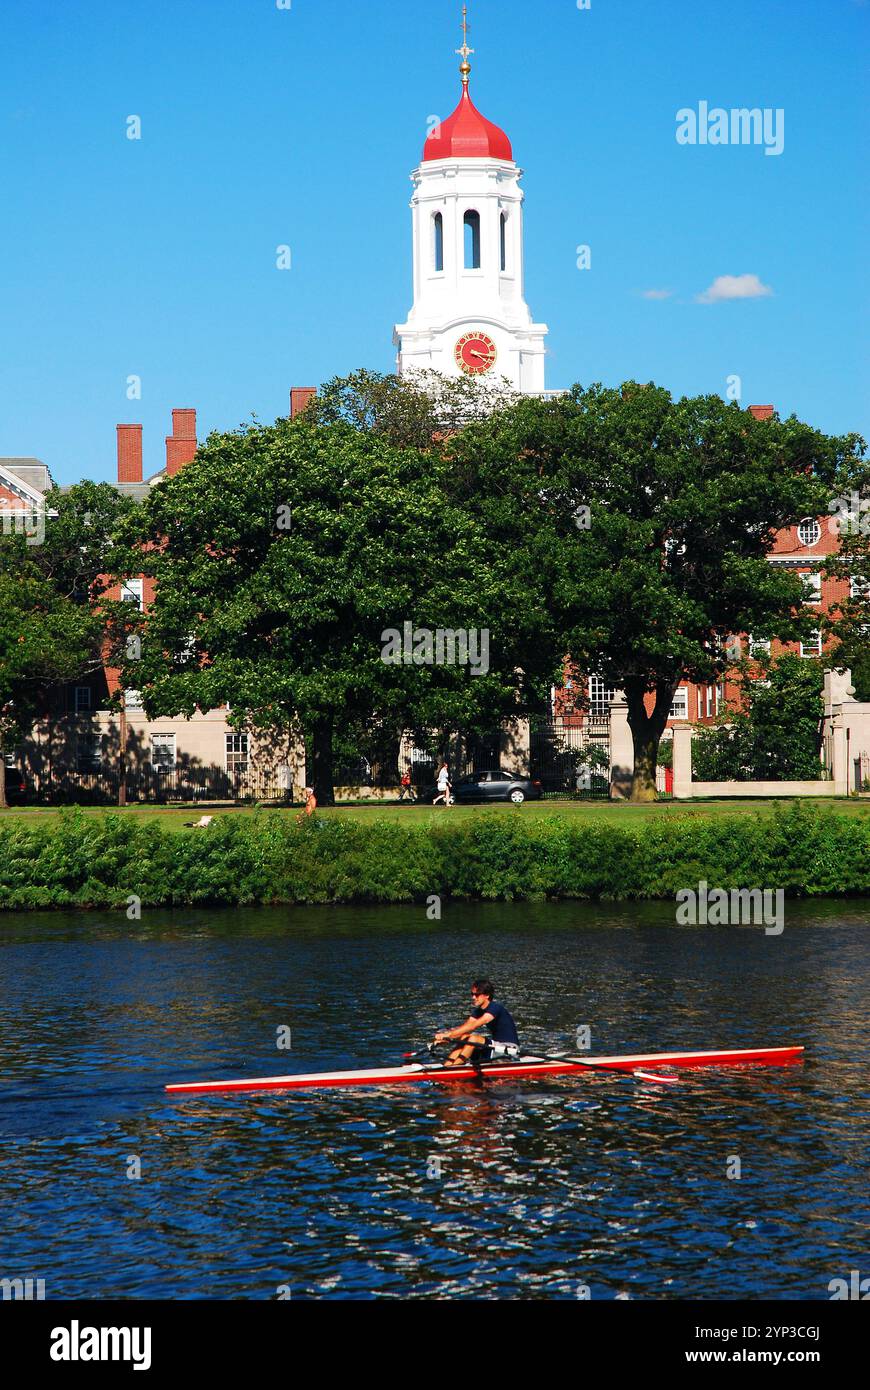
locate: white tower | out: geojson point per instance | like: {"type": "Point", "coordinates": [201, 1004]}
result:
{"type": "Point", "coordinates": [469, 313]}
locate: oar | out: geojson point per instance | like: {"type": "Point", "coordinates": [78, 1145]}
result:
{"type": "Point", "coordinates": [427, 1051]}
{"type": "Point", "coordinates": [593, 1066]}
{"type": "Point", "coordinates": [640, 1075]}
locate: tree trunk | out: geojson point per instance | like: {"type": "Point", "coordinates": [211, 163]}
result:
{"type": "Point", "coordinates": [646, 733]}
{"type": "Point", "coordinates": [122, 754]}
{"type": "Point", "coordinates": [321, 759]}
{"type": "Point", "coordinates": [3, 802]}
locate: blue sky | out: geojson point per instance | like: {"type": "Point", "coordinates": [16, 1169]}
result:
{"type": "Point", "coordinates": [264, 126]}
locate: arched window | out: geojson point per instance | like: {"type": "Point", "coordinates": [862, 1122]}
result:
{"type": "Point", "coordinates": [503, 230]}
{"type": "Point", "coordinates": [472, 241]}
{"type": "Point", "coordinates": [438, 234]}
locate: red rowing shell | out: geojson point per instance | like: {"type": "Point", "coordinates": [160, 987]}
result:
{"type": "Point", "coordinates": [527, 1066]}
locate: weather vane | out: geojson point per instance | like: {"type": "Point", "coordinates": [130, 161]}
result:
{"type": "Point", "coordinates": [465, 52]}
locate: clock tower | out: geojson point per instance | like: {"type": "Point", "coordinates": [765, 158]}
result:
{"type": "Point", "coordinates": [469, 313]}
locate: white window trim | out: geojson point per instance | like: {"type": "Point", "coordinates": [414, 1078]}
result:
{"type": "Point", "coordinates": [816, 651]}
{"type": "Point", "coordinates": [83, 706]}
{"type": "Point", "coordinates": [680, 703]}
{"type": "Point", "coordinates": [436, 269]}
{"type": "Point", "coordinates": [133, 591]}
{"type": "Point", "coordinates": [93, 742]}
{"type": "Point", "coordinates": [817, 530]}
{"type": "Point", "coordinates": [601, 697]}
{"type": "Point", "coordinates": [163, 740]}
{"type": "Point", "coordinates": [244, 757]}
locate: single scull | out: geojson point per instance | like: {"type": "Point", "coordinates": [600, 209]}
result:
{"type": "Point", "coordinates": [521, 1066]}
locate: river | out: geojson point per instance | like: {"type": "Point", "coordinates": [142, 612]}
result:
{"type": "Point", "coordinates": [592, 1185]}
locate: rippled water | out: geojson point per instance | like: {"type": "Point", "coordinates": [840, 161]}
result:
{"type": "Point", "coordinates": [545, 1186]}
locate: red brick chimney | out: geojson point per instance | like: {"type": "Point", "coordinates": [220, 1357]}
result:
{"type": "Point", "coordinates": [299, 399]}
{"type": "Point", "coordinates": [181, 444]}
{"type": "Point", "coordinates": [129, 453]}
{"type": "Point", "coordinates": [761, 412]}
{"type": "Point", "coordinates": [184, 424]}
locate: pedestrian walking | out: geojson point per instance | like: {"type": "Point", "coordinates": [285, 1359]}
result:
{"type": "Point", "coordinates": [443, 786]}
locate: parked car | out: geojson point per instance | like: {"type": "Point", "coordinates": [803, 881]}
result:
{"type": "Point", "coordinates": [16, 786]}
{"type": "Point", "coordinates": [493, 786]}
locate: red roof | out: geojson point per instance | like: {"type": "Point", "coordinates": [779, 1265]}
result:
{"type": "Point", "coordinates": [467, 135]}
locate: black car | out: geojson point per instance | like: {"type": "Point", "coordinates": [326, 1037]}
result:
{"type": "Point", "coordinates": [497, 786]}
{"type": "Point", "coordinates": [16, 787]}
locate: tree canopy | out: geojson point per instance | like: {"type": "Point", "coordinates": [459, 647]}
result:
{"type": "Point", "coordinates": [55, 623]}
{"type": "Point", "coordinates": [619, 528]}
{"type": "Point", "coordinates": [648, 522]}
{"type": "Point", "coordinates": [775, 735]}
{"type": "Point", "coordinates": [284, 556]}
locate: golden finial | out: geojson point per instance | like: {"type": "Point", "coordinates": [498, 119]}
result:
{"type": "Point", "coordinates": [465, 52]}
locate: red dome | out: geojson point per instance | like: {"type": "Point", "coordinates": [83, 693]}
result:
{"type": "Point", "coordinates": [467, 135]}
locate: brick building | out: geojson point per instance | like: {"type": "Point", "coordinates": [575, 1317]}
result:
{"type": "Point", "coordinates": [78, 740]}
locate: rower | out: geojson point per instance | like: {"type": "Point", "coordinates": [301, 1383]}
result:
{"type": "Point", "coordinates": [485, 1011]}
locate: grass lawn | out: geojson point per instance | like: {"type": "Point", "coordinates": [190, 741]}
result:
{"type": "Point", "coordinates": [173, 818]}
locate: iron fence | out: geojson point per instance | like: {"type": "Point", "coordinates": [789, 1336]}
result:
{"type": "Point", "coordinates": [156, 784]}
{"type": "Point", "coordinates": [571, 757]}
{"type": "Point", "coordinates": [568, 756]}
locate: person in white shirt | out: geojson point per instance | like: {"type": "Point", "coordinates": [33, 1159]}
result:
{"type": "Point", "coordinates": [443, 786]}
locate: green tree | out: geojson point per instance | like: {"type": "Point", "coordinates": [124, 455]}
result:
{"type": "Point", "coordinates": [411, 412]}
{"type": "Point", "coordinates": [848, 623]}
{"type": "Point", "coordinates": [646, 524]}
{"type": "Point", "coordinates": [56, 624]}
{"type": "Point", "coordinates": [775, 735]}
{"type": "Point", "coordinates": [282, 556]}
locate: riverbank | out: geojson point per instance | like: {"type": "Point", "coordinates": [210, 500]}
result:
{"type": "Point", "coordinates": [74, 859]}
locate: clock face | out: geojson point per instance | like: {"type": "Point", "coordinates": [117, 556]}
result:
{"type": "Point", "coordinates": [475, 353]}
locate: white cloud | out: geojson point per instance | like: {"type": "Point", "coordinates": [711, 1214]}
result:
{"type": "Point", "coordinates": [657, 294]}
{"type": "Point", "coordinates": [733, 287]}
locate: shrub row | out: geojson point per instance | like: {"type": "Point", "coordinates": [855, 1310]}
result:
{"type": "Point", "coordinates": [89, 861]}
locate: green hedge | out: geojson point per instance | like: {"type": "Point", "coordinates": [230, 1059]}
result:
{"type": "Point", "coordinates": [89, 861]}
